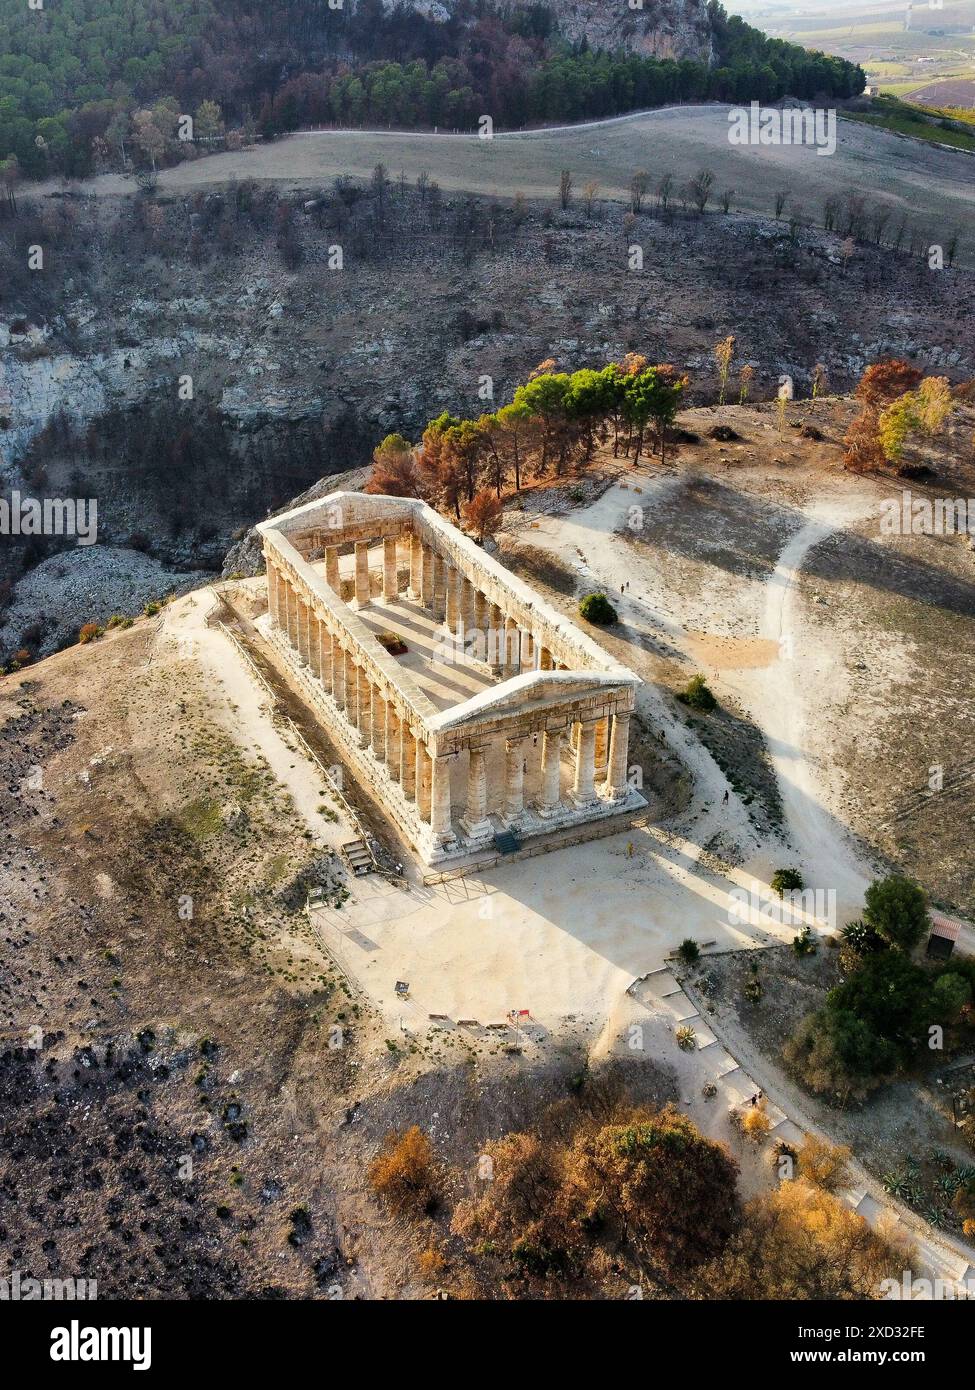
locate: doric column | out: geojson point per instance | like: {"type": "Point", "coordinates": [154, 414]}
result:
{"type": "Point", "coordinates": [407, 760]}
{"type": "Point", "coordinates": [475, 823]}
{"type": "Point", "coordinates": [439, 588]}
{"type": "Point", "coordinates": [514, 779]}
{"type": "Point", "coordinates": [393, 751]}
{"type": "Point", "coordinates": [452, 582]}
{"type": "Point", "coordinates": [361, 574]}
{"type": "Point", "coordinates": [310, 634]}
{"type": "Point", "coordinates": [467, 596]}
{"type": "Point", "coordinates": [351, 690]}
{"type": "Point", "coordinates": [602, 745]}
{"type": "Point", "coordinates": [332, 568]}
{"type": "Point", "coordinates": [338, 673]}
{"type": "Point", "coordinates": [424, 774]}
{"type": "Point", "coordinates": [416, 566]}
{"type": "Point", "coordinates": [390, 577]}
{"type": "Point", "coordinates": [511, 654]}
{"type": "Point", "coordinates": [617, 785]}
{"type": "Point", "coordinates": [325, 662]}
{"type": "Point", "coordinates": [583, 785]}
{"type": "Point", "coordinates": [496, 640]}
{"type": "Point", "coordinates": [281, 599]}
{"type": "Point", "coordinates": [378, 723]}
{"type": "Point", "coordinates": [481, 620]}
{"type": "Point", "coordinates": [551, 791]}
{"type": "Point", "coordinates": [272, 593]}
{"type": "Point", "coordinates": [314, 643]}
{"type": "Point", "coordinates": [292, 604]}
{"type": "Point", "coordinates": [545, 659]}
{"type": "Point", "coordinates": [364, 705]}
{"type": "Point", "coordinates": [427, 564]}
{"type": "Point", "coordinates": [440, 822]}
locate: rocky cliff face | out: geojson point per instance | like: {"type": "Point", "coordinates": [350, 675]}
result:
{"type": "Point", "coordinates": [297, 373]}
{"type": "Point", "coordinates": [659, 29]}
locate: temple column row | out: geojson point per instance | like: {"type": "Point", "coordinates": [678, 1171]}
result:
{"type": "Point", "coordinates": [361, 577]}
{"type": "Point", "coordinates": [440, 587]}
{"type": "Point", "coordinates": [456, 601]}
{"type": "Point", "coordinates": [600, 746]}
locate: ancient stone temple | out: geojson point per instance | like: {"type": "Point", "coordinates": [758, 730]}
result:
{"type": "Point", "coordinates": [463, 703]}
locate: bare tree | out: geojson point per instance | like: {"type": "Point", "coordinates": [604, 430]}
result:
{"type": "Point", "coordinates": [565, 189]}
{"type": "Point", "coordinates": [878, 223]}
{"type": "Point", "coordinates": [639, 184]}
{"type": "Point", "coordinates": [700, 189]}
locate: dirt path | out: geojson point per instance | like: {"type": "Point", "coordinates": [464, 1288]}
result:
{"type": "Point", "coordinates": [780, 708]}
{"type": "Point", "coordinates": [537, 132]}
{"type": "Point", "coordinates": [587, 540]}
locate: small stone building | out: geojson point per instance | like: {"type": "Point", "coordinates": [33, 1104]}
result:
{"type": "Point", "coordinates": [464, 703]}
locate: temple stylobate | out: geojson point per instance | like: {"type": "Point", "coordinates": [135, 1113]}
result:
{"type": "Point", "coordinates": [465, 704]}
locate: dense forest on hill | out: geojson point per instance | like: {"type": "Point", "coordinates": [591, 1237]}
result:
{"type": "Point", "coordinates": [93, 84]}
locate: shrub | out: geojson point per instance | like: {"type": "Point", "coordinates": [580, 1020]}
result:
{"type": "Point", "coordinates": [151, 608]}
{"type": "Point", "coordinates": [754, 1123]}
{"type": "Point", "coordinates": [799, 1242]}
{"type": "Point", "coordinates": [596, 608]}
{"type": "Point", "coordinates": [686, 1038]}
{"type": "Point", "coordinates": [89, 632]}
{"type": "Point", "coordinates": [787, 881]}
{"type": "Point", "coordinates": [869, 1027]}
{"type": "Point", "coordinates": [698, 695]}
{"type": "Point", "coordinates": [949, 996]}
{"type": "Point", "coordinates": [669, 1190]}
{"type": "Point", "coordinates": [823, 1164]}
{"type": "Point", "coordinates": [431, 1263]}
{"type": "Point", "coordinates": [897, 909]}
{"type": "Point", "coordinates": [118, 620]}
{"type": "Point", "coordinates": [803, 944]}
{"type": "Point", "coordinates": [404, 1172]}
{"type": "Point", "coordinates": [689, 951]}
{"type": "Point", "coordinates": [861, 938]}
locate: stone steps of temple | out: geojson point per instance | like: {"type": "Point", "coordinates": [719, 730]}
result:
{"type": "Point", "coordinates": [359, 857]}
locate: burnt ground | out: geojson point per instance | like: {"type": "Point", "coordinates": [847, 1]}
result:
{"type": "Point", "coordinates": [136, 1036]}
{"type": "Point", "coordinates": [190, 1091]}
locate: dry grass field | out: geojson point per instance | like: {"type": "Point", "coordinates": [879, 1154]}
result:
{"type": "Point", "coordinates": [933, 185]}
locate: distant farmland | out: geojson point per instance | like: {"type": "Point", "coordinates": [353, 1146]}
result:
{"type": "Point", "coordinates": [950, 91]}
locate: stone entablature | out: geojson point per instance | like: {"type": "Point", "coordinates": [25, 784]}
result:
{"type": "Point", "coordinates": [557, 697]}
